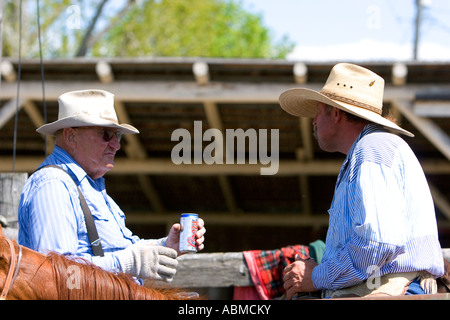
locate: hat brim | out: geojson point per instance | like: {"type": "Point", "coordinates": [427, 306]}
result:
{"type": "Point", "coordinates": [302, 102]}
{"type": "Point", "coordinates": [84, 121]}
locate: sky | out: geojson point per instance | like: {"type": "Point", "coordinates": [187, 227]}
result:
{"type": "Point", "coordinates": [357, 30]}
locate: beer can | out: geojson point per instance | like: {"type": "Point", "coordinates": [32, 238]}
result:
{"type": "Point", "coordinates": [189, 225]}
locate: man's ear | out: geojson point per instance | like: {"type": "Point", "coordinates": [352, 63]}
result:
{"type": "Point", "coordinates": [338, 115]}
{"type": "Point", "coordinates": [69, 136]}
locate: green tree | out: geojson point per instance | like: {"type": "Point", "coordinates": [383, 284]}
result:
{"type": "Point", "coordinates": [207, 28]}
{"type": "Point", "coordinates": [130, 28]}
{"type": "Point", "coordinates": [60, 24]}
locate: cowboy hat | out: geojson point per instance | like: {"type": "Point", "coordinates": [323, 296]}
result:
{"type": "Point", "coordinates": [349, 87]}
{"type": "Point", "coordinates": [86, 108]}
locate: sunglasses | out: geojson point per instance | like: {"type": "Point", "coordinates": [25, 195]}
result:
{"type": "Point", "coordinates": [106, 134]}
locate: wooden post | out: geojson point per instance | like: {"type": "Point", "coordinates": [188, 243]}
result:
{"type": "Point", "coordinates": [11, 185]}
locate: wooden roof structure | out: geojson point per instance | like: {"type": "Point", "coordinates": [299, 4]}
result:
{"type": "Point", "coordinates": [243, 209]}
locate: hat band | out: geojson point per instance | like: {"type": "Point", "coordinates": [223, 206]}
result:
{"type": "Point", "coordinates": [353, 102]}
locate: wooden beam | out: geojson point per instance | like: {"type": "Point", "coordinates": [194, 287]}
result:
{"type": "Point", "coordinates": [434, 109]}
{"type": "Point", "coordinates": [7, 71]}
{"type": "Point", "coordinates": [38, 120]}
{"type": "Point", "coordinates": [34, 114]}
{"type": "Point", "coordinates": [9, 110]}
{"type": "Point", "coordinates": [432, 132]}
{"type": "Point", "coordinates": [166, 167]}
{"type": "Point", "coordinates": [300, 71]}
{"type": "Point", "coordinates": [201, 72]}
{"type": "Point", "coordinates": [212, 270]}
{"type": "Point", "coordinates": [11, 185]}
{"type": "Point", "coordinates": [251, 219]}
{"type": "Point", "coordinates": [215, 121]}
{"type": "Point", "coordinates": [104, 72]}
{"type": "Point", "coordinates": [440, 200]}
{"type": "Point", "coordinates": [244, 219]}
{"type": "Point", "coordinates": [179, 91]}
{"type": "Point", "coordinates": [136, 151]}
{"type": "Point", "coordinates": [157, 91]}
{"type": "Point", "coordinates": [163, 167]}
{"type": "Point", "coordinates": [399, 74]}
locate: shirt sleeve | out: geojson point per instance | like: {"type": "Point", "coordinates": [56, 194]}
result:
{"type": "Point", "coordinates": [375, 218]}
{"type": "Point", "coordinates": [53, 221]}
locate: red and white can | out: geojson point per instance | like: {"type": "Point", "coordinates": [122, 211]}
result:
{"type": "Point", "coordinates": [189, 223]}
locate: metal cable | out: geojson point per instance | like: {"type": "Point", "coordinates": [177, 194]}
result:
{"type": "Point", "coordinates": [19, 71]}
{"type": "Point", "coordinates": [42, 71]}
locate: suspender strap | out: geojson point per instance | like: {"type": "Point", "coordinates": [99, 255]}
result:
{"type": "Point", "coordinates": [90, 224]}
{"type": "Point", "coordinates": [94, 239]}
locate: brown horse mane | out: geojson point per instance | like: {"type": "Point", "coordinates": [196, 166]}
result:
{"type": "Point", "coordinates": [79, 279]}
{"type": "Point", "coordinates": [64, 277]}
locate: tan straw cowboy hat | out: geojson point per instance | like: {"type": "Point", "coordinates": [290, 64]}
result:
{"type": "Point", "coordinates": [349, 87]}
{"type": "Point", "coordinates": [86, 108]}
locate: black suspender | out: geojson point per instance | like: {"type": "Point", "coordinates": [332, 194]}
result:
{"type": "Point", "coordinates": [90, 225]}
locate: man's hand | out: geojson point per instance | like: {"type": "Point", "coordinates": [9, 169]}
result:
{"type": "Point", "coordinates": [173, 239]}
{"type": "Point", "coordinates": [298, 277]}
{"type": "Point", "coordinates": [143, 260]}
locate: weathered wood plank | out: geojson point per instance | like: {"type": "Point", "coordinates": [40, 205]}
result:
{"type": "Point", "coordinates": [219, 270]}
{"type": "Point", "coordinates": [167, 167]}
{"type": "Point", "coordinates": [182, 91]}
{"type": "Point", "coordinates": [11, 185]}
{"type": "Point", "coordinates": [212, 270]}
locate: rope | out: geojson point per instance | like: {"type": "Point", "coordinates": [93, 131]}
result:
{"type": "Point", "coordinates": [42, 70]}
{"type": "Point", "coordinates": [19, 71]}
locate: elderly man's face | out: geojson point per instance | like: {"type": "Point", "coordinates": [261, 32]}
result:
{"type": "Point", "coordinates": [95, 149]}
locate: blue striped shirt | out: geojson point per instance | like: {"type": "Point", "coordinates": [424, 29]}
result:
{"type": "Point", "coordinates": [51, 218]}
{"type": "Point", "coordinates": [382, 215]}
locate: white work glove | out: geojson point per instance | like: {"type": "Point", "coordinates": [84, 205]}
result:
{"type": "Point", "coordinates": [144, 260]}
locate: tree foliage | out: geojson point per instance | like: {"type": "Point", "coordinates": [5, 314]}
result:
{"type": "Point", "coordinates": [129, 28]}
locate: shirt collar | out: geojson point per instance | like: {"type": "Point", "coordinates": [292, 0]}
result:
{"type": "Point", "coordinates": [368, 129]}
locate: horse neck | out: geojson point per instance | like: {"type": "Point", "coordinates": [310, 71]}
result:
{"type": "Point", "coordinates": [35, 278]}
{"type": "Point", "coordinates": [79, 279]}
{"type": "Point", "coordinates": [49, 278]}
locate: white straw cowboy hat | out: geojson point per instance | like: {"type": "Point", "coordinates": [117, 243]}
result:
{"type": "Point", "coordinates": [349, 87]}
{"type": "Point", "coordinates": [86, 108]}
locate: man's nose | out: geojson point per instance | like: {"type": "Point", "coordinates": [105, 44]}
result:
{"type": "Point", "coordinates": [114, 143]}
